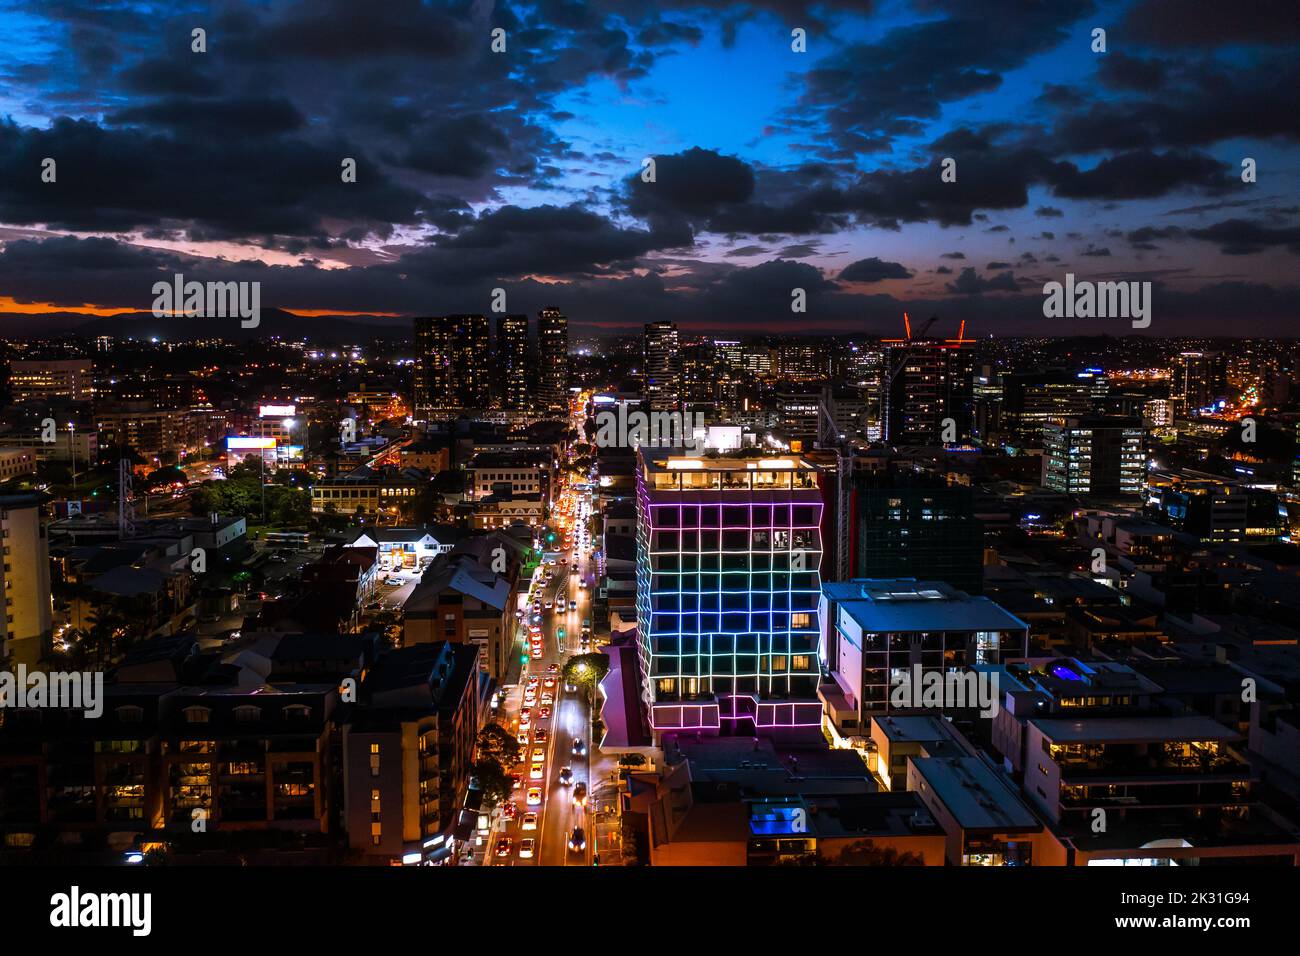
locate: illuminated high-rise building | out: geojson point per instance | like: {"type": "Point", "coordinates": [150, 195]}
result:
{"type": "Point", "coordinates": [24, 579]}
{"type": "Point", "coordinates": [927, 384]}
{"type": "Point", "coordinates": [1031, 399]}
{"type": "Point", "coordinates": [552, 361]}
{"type": "Point", "coordinates": [452, 364]}
{"type": "Point", "coordinates": [1096, 455]}
{"type": "Point", "coordinates": [1200, 380]}
{"type": "Point", "coordinates": [662, 365]}
{"type": "Point", "coordinates": [513, 368]}
{"type": "Point", "coordinates": [728, 578]}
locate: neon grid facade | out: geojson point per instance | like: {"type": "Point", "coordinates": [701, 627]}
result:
{"type": "Point", "coordinates": [728, 580]}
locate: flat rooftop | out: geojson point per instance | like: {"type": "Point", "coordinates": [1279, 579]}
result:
{"type": "Point", "coordinates": [1119, 730]}
{"type": "Point", "coordinates": [905, 604]}
{"type": "Point", "coordinates": [974, 794]}
{"type": "Point", "coordinates": [686, 462]}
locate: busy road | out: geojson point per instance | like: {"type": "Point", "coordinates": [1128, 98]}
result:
{"type": "Point", "coordinates": [545, 822]}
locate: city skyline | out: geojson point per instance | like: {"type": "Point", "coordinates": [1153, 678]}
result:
{"type": "Point", "coordinates": [796, 146]}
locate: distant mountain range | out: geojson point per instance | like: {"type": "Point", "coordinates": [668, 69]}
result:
{"type": "Point", "coordinates": [144, 325]}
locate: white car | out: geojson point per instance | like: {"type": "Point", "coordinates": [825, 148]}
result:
{"type": "Point", "coordinates": [537, 772]}
{"type": "Point", "coordinates": [526, 848]}
{"type": "Point", "coordinates": [530, 821]}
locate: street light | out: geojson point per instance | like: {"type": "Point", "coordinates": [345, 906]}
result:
{"type": "Point", "coordinates": [72, 447]}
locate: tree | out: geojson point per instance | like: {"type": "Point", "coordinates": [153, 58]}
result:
{"type": "Point", "coordinates": [586, 670]}
{"type": "Point", "coordinates": [493, 780]}
{"type": "Point", "coordinates": [632, 760]}
{"type": "Point", "coordinates": [498, 743]}
{"type": "Point", "coordinates": [866, 853]}
{"type": "Point", "coordinates": [165, 476]}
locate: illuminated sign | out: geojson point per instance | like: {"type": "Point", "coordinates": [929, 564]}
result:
{"type": "Point", "coordinates": [248, 442]}
{"type": "Point", "coordinates": [276, 411]}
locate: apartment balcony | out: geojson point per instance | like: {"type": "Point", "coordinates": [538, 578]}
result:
{"type": "Point", "coordinates": [1153, 769]}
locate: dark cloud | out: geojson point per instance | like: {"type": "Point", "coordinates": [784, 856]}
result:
{"type": "Point", "coordinates": [868, 92]}
{"type": "Point", "coordinates": [1140, 174]}
{"type": "Point", "coordinates": [1176, 23]}
{"type": "Point", "coordinates": [1117, 70]}
{"type": "Point", "coordinates": [114, 180]}
{"type": "Point", "coordinates": [873, 270]}
{"type": "Point", "coordinates": [1215, 103]}
{"type": "Point", "coordinates": [252, 116]}
{"type": "Point", "coordinates": [1240, 237]}
{"type": "Point", "coordinates": [969, 283]}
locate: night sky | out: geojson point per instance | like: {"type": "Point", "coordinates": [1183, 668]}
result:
{"type": "Point", "coordinates": [774, 169]}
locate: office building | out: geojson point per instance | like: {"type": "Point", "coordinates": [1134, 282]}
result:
{"type": "Point", "coordinates": [513, 367]}
{"type": "Point", "coordinates": [1094, 455]}
{"type": "Point", "coordinates": [24, 578]}
{"type": "Point", "coordinates": [662, 366]}
{"type": "Point", "coordinates": [552, 361]}
{"type": "Point", "coordinates": [452, 364]}
{"type": "Point", "coordinates": [45, 379]}
{"type": "Point", "coordinates": [1031, 399]}
{"type": "Point", "coordinates": [927, 391]}
{"type": "Point", "coordinates": [878, 631]}
{"type": "Point", "coordinates": [728, 579]}
{"type": "Point", "coordinates": [803, 361]}
{"type": "Point", "coordinates": [909, 525]}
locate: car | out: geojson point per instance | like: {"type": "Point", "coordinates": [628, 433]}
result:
{"type": "Point", "coordinates": [505, 846]}
{"type": "Point", "coordinates": [537, 652]}
{"type": "Point", "coordinates": [548, 698]}
{"type": "Point", "coordinates": [548, 604]}
{"type": "Point", "coordinates": [539, 754]}
{"type": "Point", "coordinates": [579, 794]}
{"type": "Point", "coordinates": [586, 623]}
{"type": "Point", "coordinates": [374, 606]}
{"type": "Point", "coordinates": [530, 821]}
{"type": "Point", "coordinates": [534, 796]}
{"type": "Point", "coordinates": [566, 776]}
{"type": "Point", "coordinates": [577, 841]}
{"type": "Point", "coordinates": [539, 736]}
{"type": "Point", "coordinates": [526, 848]}
{"type": "Point", "coordinates": [544, 713]}
{"type": "Point", "coordinates": [553, 669]}
{"type": "Point", "coordinates": [537, 771]}
{"type": "Point", "coordinates": [533, 680]}
{"type": "Point", "coordinates": [579, 748]}
{"type": "Point", "coordinates": [548, 683]}
{"type": "Point", "coordinates": [509, 810]}
{"type": "Point", "coordinates": [515, 781]}
{"type": "Point", "coordinates": [573, 605]}
{"type": "Point", "coordinates": [522, 736]}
